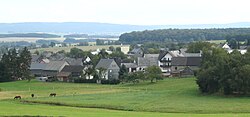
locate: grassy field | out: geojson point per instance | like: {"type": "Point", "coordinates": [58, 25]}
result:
{"type": "Point", "coordinates": [217, 41]}
{"type": "Point", "coordinates": [170, 97]}
{"type": "Point", "coordinates": [67, 49]}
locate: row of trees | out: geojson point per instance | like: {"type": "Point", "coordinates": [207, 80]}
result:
{"type": "Point", "coordinates": [181, 35]}
{"type": "Point", "coordinates": [15, 66]}
{"type": "Point", "coordinates": [224, 73]}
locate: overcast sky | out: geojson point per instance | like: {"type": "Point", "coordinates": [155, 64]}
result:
{"type": "Point", "coordinates": [138, 12]}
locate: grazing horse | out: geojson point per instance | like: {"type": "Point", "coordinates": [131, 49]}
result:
{"type": "Point", "coordinates": [32, 95]}
{"type": "Point", "coordinates": [17, 97]}
{"type": "Point", "coordinates": [52, 94]}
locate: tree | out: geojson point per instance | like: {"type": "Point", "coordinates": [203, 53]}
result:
{"type": "Point", "coordinates": [198, 46]}
{"type": "Point", "coordinates": [123, 73]}
{"type": "Point", "coordinates": [76, 53]}
{"type": "Point", "coordinates": [25, 62]}
{"type": "Point", "coordinates": [36, 52]}
{"type": "Point", "coordinates": [89, 71]}
{"type": "Point", "coordinates": [153, 73]}
{"type": "Point", "coordinates": [112, 48]}
{"type": "Point", "coordinates": [225, 73]}
{"type": "Point", "coordinates": [103, 54]}
{"type": "Point", "coordinates": [101, 74]}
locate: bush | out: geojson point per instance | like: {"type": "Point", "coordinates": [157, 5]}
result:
{"type": "Point", "coordinates": [81, 80]}
{"type": "Point", "coordinates": [113, 81]}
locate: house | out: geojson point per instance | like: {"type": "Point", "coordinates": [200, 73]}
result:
{"type": "Point", "coordinates": [35, 58]}
{"type": "Point", "coordinates": [74, 61]}
{"type": "Point", "coordinates": [53, 68]}
{"type": "Point", "coordinates": [165, 58]}
{"type": "Point", "coordinates": [70, 71]}
{"type": "Point", "coordinates": [86, 60]}
{"type": "Point", "coordinates": [46, 54]}
{"type": "Point", "coordinates": [125, 49]}
{"type": "Point", "coordinates": [111, 68]}
{"type": "Point", "coordinates": [226, 46]}
{"type": "Point", "coordinates": [146, 61]}
{"type": "Point", "coordinates": [243, 51]}
{"type": "Point", "coordinates": [131, 67]}
{"type": "Point", "coordinates": [36, 69]}
{"type": "Point", "coordinates": [57, 57]}
{"type": "Point", "coordinates": [45, 60]}
{"type": "Point", "coordinates": [136, 52]}
{"type": "Point", "coordinates": [58, 45]}
{"type": "Point", "coordinates": [184, 66]}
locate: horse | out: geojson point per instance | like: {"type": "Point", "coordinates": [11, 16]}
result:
{"type": "Point", "coordinates": [18, 97]}
{"type": "Point", "coordinates": [32, 95]}
{"type": "Point", "coordinates": [52, 94]}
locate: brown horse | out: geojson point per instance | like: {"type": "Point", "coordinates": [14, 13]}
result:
{"type": "Point", "coordinates": [52, 95]}
{"type": "Point", "coordinates": [18, 97]}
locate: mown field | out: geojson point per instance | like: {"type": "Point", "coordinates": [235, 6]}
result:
{"type": "Point", "coordinates": [169, 97]}
{"type": "Point", "coordinates": [67, 49]}
{"type": "Point", "coordinates": [217, 41]}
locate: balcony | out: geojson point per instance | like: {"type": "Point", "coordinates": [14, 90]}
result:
{"type": "Point", "coordinates": [165, 66]}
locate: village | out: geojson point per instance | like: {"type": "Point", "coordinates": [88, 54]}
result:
{"type": "Point", "coordinates": [57, 66]}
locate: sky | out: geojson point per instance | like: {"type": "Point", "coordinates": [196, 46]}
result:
{"type": "Point", "coordinates": [135, 12]}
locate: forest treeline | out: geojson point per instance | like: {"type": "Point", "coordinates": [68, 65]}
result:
{"type": "Point", "coordinates": [181, 35]}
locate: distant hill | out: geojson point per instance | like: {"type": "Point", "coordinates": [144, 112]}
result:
{"type": "Point", "coordinates": [100, 28]}
{"type": "Point", "coordinates": [33, 35]}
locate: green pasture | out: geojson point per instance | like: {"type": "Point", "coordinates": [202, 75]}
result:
{"type": "Point", "coordinates": [169, 97]}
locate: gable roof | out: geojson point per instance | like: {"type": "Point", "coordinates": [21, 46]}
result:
{"type": "Point", "coordinates": [73, 61]}
{"type": "Point", "coordinates": [129, 65]}
{"type": "Point", "coordinates": [71, 68]}
{"type": "Point", "coordinates": [186, 61]}
{"type": "Point", "coordinates": [55, 65]}
{"type": "Point", "coordinates": [136, 50]}
{"type": "Point", "coordinates": [174, 53]}
{"type": "Point", "coordinates": [148, 60]}
{"type": "Point", "coordinates": [104, 63]}
{"type": "Point", "coordinates": [35, 58]}
{"type": "Point", "coordinates": [192, 54]}
{"type": "Point", "coordinates": [37, 66]}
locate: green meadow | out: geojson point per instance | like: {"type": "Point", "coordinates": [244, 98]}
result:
{"type": "Point", "coordinates": [168, 97]}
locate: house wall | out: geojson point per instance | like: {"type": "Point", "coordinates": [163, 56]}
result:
{"type": "Point", "coordinates": [165, 66]}
{"type": "Point", "coordinates": [50, 73]}
{"type": "Point", "coordinates": [113, 71]}
{"type": "Point", "coordinates": [37, 72]}
{"type": "Point", "coordinates": [125, 49]}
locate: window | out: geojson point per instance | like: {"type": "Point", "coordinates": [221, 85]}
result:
{"type": "Point", "coordinates": [175, 68]}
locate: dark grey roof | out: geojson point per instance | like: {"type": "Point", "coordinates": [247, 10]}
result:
{"type": "Point", "coordinates": [130, 65]}
{"type": "Point", "coordinates": [192, 54]}
{"type": "Point", "coordinates": [73, 61]}
{"type": "Point", "coordinates": [70, 68]}
{"type": "Point", "coordinates": [148, 60]}
{"type": "Point", "coordinates": [104, 63]}
{"type": "Point", "coordinates": [55, 65]}
{"type": "Point", "coordinates": [35, 58]}
{"type": "Point", "coordinates": [37, 66]}
{"type": "Point", "coordinates": [186, 61]}
{"type": "Point", "coordinates": [136, 50]}
{"type": "Point", "coordinates": [172, 53]}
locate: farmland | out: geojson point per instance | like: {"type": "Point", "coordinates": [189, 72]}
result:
{"type": "Point", "coordinates": [67, 49]}
{"type": "Point", "coordinates": [169, 97]}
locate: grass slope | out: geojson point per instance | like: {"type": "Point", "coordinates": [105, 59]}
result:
{"type": "Point", "coordinates": [174, 97]}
